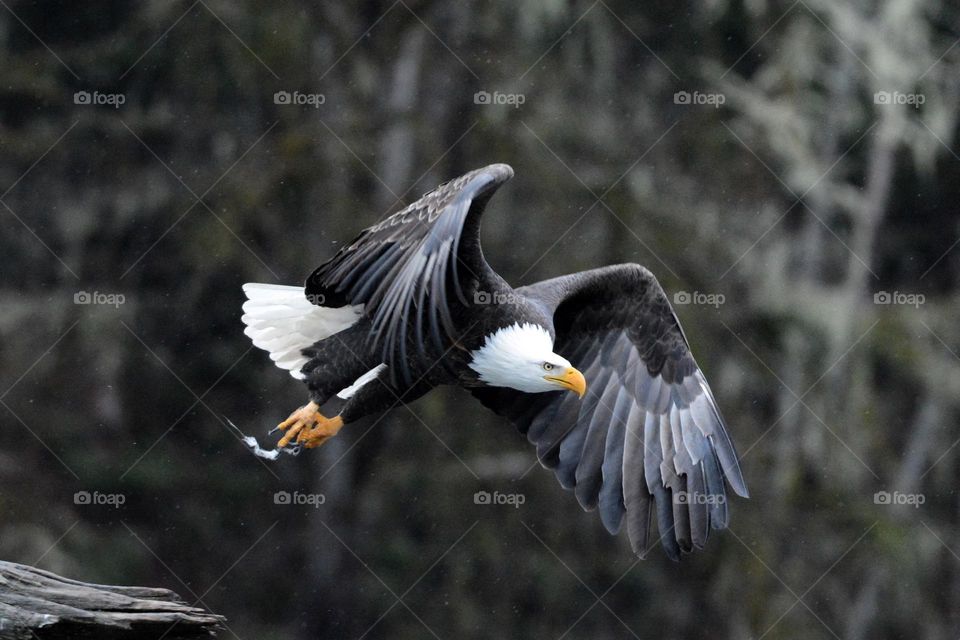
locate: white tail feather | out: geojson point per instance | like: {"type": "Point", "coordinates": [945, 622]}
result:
{"type": "Point", "coordinates": [281, 321]}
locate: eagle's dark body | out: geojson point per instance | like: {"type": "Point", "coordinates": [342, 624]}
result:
{"type": "Point", "coordinates": [648, 430]}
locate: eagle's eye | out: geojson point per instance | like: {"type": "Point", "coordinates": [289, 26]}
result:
{"type": "Point", "coordinates": [547, 366]}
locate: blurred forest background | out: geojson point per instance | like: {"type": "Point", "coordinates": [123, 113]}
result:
{"type": "Point", "coordinates": [791, 166]}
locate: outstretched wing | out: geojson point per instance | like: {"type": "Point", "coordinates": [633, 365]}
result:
{"type": "Point", "coordinates": [407, 270]}
{"type": "Point", "coordinates": [648, 436]}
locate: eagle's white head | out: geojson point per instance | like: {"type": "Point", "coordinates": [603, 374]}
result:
{"type": "Point", "coordinates": [521, 357]}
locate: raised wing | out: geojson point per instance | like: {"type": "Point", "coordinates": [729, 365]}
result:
{"type": "Point", "coordinates": [408, 269]}
{"type": "Point", "coordinates": [648, 436]}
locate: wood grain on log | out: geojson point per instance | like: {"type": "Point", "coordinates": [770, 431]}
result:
{"type": "Point", "coordinates": [37, 604]}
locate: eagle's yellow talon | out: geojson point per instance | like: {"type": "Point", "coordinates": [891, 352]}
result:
{"type": "Point", "coordinates": [304, 414]}
{"type": "Point", "coordinates": [290, 435]}
{"type": "Point", "coordinates": [326, 428]}
{"type": "Point", "coordinates": [299, 420]}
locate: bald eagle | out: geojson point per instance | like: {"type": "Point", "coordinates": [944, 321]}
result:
{"type": "Point", "coordinates": [593, 367]}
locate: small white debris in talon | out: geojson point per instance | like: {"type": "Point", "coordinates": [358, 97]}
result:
{"type": "Point", "coordinates": [252, 444]}
{"type": "Point", "coordinates": [255, 448]}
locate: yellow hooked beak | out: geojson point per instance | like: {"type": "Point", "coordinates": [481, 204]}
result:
{"type": "Point", "coordinates": [572, 380]}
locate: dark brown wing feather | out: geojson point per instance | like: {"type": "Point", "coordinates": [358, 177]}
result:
{"type": "Point", "coordinates": [407, 269]}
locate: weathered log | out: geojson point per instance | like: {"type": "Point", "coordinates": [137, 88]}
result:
{"type": "Point", "coordinates": [37, 604]}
